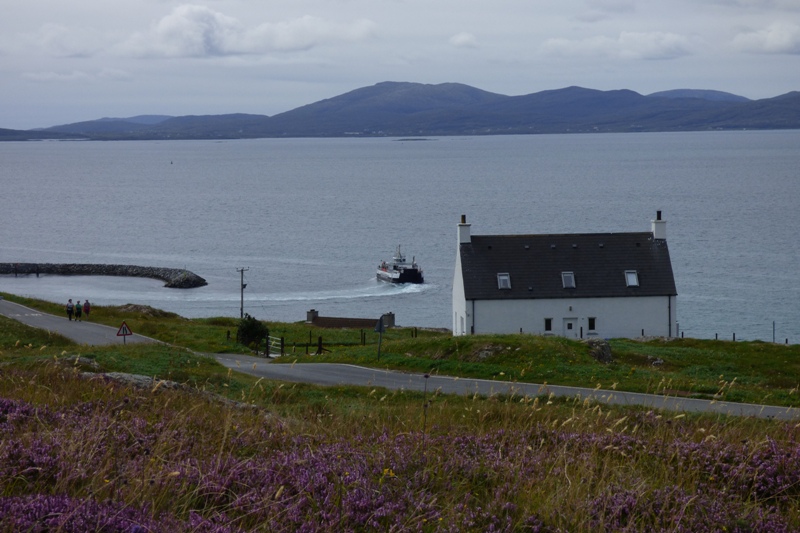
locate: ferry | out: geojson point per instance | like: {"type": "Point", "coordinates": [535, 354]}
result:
{"type": "Point", "coordinates": [400, 271]}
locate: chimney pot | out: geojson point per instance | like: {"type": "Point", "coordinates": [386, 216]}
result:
{"type": "Point", "coordinates": [463, 231]}
{"type": "Point", "coordinates": [659, 227]}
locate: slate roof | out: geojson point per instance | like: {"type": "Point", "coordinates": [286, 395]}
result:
{"type": "Point", "coordinates": [535, 264]}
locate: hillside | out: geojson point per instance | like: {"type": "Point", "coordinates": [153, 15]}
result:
{"type": "Point", "coordinates": [153, 437]}
{"type": "Point", "coordinates": [414, 109]}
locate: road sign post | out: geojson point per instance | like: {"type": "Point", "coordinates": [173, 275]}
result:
{"type": "Point", "coordinates": [124, 331]}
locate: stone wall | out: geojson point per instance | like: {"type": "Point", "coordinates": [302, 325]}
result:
{"type": "Point", "coordinates": [312, 317]}
{"type": "Point", "coordinates": [173, 277]}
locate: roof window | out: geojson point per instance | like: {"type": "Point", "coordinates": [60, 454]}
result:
{"type": "Point", "coordinates": [568, 279]}
{"type": "Point", "coordinates": [504, 280]}
{"type": "Point", "coordinates": [631, 278]}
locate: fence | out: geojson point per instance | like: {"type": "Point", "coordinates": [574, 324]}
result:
{"type": "Point", "coordinates": [275, 347]}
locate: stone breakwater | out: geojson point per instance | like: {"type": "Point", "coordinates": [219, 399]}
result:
{"type": "Point", "coordinates": [173, 277]}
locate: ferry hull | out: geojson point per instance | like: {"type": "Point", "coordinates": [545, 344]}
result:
{"type": "Point", "coordinates": [406, 276]}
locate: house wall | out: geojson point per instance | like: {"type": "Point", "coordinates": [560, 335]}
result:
{"type": "Point", "coordinates": [461, 322]}
{"type": "Point", "coordinates": [614, 317]}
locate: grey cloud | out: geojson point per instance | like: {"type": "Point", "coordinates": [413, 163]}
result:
{"type": "Point", "coordinates": [766, 5]}
{"type": "Point", "coordinates": [629, 45]}
{"type": "Point", "coordinates": [464, 40]}
{"type": "Point", "coordinates": [61, 41]}
{"type": "Point", "coordinates": [197, 31]}
{"type": "Point", "coordinates": [603, 9]}
{"type": "Point", "coordinates": [778, 38]}
{"type": "Point", "coordinates": [77, 76]}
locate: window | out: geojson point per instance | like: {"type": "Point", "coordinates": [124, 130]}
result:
{"type": "Point", "coordinates": [631, 278]}
{"type": "Point", "coordinates": [568, 278]}
{"type": "Point", "coordinates": [504, 280]}
{"type": "Point", "coordinates": [592, 323]}
{"type": "Point", "coordinates": [548, 324]}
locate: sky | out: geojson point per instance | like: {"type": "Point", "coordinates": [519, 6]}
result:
{"type": "Point", "coordinates": [64, 61]}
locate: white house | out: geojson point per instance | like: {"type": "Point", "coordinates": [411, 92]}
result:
{"type": "Point", "coordinates": [574, 285]}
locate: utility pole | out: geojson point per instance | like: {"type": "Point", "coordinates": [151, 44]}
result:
{"type": "Point", "coordinates": [243, 285]}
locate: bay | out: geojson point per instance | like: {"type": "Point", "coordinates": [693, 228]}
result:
{"type": "Point", "coordinates": [309, 219]}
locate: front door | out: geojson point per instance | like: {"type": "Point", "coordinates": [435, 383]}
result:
{"type": "Point", "coordinates": [571, 328]}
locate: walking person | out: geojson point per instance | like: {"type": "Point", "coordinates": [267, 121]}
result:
{"type": "Point", "coordinates": [78, 309]}
{"type": "Point", "coordinates": [86, 308]}
{"type": "Point", "coordinates": [70, 308]}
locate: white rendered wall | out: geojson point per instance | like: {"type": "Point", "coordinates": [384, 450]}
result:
{"type": "Point", "coordinates": [461, 323]}
{"type": "Point", "coordinates": [614, 317]}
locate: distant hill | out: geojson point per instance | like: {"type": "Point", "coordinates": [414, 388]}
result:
{"type": "Point", "coordinates": [414, 109]}
{"type": "Point", "coordinates": [142, 119]}
{"type": "Point", "coordinates": [718, 96]}
{"type": "Point", "coordinates": [35, 135]}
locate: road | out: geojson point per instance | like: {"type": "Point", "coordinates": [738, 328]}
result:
{"type": "Point", "coordinates": [84, 332]}
{"type": "Point", "coordinates": [338, 374]}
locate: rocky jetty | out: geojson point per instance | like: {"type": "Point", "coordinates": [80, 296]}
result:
{"type": "Point", "coordinates": [173, 277]}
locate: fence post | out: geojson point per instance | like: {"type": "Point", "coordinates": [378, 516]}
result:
{"type": "Point", "coordinates": [319, 345]}
{"type": "Point", "coordinates": [283, 352]}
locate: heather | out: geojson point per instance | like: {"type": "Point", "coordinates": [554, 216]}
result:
{"type": "Point", "coordinates": [80, 452]}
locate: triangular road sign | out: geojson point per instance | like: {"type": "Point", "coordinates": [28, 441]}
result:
{"type": "Point", "coordinates": [124, 330]}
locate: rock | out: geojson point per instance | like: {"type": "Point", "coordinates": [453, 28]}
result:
{"type": "Point", "coordinates": [174, 277]}
{"type": "Point", "coordinates": [600, 350]}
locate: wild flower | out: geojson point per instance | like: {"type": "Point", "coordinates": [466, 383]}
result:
{"type": "Point", "coordinates": [162, 461]}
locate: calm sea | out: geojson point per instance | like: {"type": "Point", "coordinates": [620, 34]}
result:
{"type": "Point", "coordinates": [308, 220]}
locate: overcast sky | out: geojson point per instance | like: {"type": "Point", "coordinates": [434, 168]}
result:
{"type": "Point", "coordinates": [65, 61]}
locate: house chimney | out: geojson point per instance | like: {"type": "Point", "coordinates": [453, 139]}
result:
{"type": "Point", "coordinates": [659, 227]}
{"type": "Point", "coordinates": [463, 231]}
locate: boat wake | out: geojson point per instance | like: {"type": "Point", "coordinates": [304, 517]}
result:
{"type": "Point", "coordinates": [373, 289]}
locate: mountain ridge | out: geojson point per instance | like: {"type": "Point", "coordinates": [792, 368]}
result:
{"type": "Point", "coordinates": [414, 109]}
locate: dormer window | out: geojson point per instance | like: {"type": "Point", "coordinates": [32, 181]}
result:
{"type": "Point", "coordinates": [568, 279]}
{"type": "Point", "coordinates": [504, 280]}
{"type": "Point", "coordinates": [631, 278]}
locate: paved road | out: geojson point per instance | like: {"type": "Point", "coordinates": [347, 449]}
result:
{"type": "Point", "coordinates": [83, 332]}
{"type": "Point", "coordinates": [338, 374]}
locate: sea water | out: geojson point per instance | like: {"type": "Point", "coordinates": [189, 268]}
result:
{"type": "Point", "coordinates": [305, 222]}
